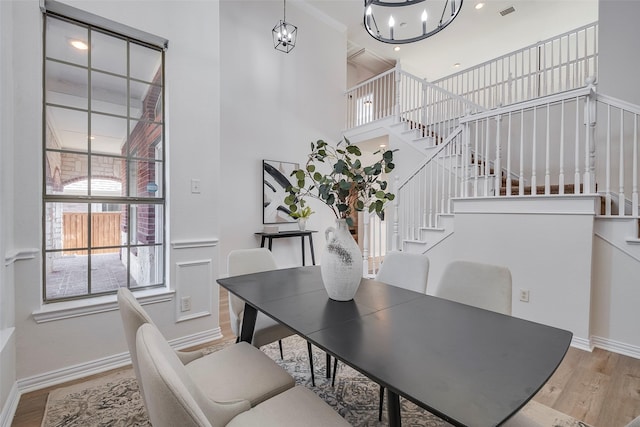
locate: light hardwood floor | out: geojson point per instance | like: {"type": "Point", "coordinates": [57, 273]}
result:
{"type": "Point", "coordinates": [599, 388]}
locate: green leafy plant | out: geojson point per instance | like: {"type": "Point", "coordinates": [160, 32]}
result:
{"type": "Point", "coordinates": [348, 186]}
{"type": "Point", "coordinates": [301, 212]}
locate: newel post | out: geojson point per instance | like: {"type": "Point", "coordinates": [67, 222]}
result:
{"type": "Point", "coordinates": [466, 155]}
{"type": "Point", "coordinates": [396, 107]}
{"type": "Point", "coordinates": [590, 145]}
{"type": "Point", "coordinates": [498, 164]}
{"type": "Point", "coordinates": [395, 240]}
{"type": "Point", "coordinates": [424, 107]}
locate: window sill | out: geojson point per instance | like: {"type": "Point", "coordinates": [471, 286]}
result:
{"type": "Point", "coordinates": [77, 308]}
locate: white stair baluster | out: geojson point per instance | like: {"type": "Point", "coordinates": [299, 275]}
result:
{"type": "Point", "coordinates": [547, 171]}
{"type": "Point", "coordinates": [607, 194]}
{"type": "Point", "coordinates": [576, 190]}
{"type": "Point", "coordinates": [634, 165]}
{"type": "Point", "coordinates": [497, 169]}
{"type": "Point", "coordinates": [621, 198]}
{"type": "Point", "coordinates": [508, 175]}
{"type": "Point", "coordinates": [365, 244]}
{"type": "Point", "coordinates": [561, 175]}
{"type": "Point", "coordinates": [534, 152]}
{"type": "Point", "coordinates": [521, 176]}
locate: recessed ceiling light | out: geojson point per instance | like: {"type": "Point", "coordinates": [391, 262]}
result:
{"type": "Point", "coordinates": [80, 45]}
{"type": "Point", "coordinates": [456, 65]}
{"type": "Point", "coordinates": [383, 145]}
{"type": "Point", "coordinates": [397, 48]}
{"type": "Point", "coordinates": [479, 5]}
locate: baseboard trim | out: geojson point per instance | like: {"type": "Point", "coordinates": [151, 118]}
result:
{"type": "Point", "coordinates": [616, 346]}
{"type": "Point", "coordinates": [10, 406]}
{"type": "Point", "coordinates": [104, 364]}
{"type": "Point", "coordinates": [582, 343]}
{"type": "Point", "coordinates": [197, 339]}
{"type": "Point", "coordinates": [73, 372]}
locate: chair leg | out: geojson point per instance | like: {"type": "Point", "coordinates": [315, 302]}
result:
{"type": "Point", "coordinates": [237, 340]}
{"type": "Point", "coordinates": [281, 354]}
{"type": "Point", "coordinates": [313, 378]}
{"type": "Point", "coordinates": [335, 369]}
{"type": "Point", "coordinates": [381, 402]}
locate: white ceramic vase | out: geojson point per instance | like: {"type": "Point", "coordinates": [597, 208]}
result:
{"type": "Point", "coordinates": [302, 224]}
{"type": "Point", "coordinates": [341, 265]}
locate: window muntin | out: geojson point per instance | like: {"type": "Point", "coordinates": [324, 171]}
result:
{"type": "Point", "coordinates": [103, 158]}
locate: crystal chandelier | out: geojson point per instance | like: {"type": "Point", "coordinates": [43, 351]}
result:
{"type": "Point", "coordinates": [284, 33]}
{"type": "Point", "coordinates": [408, 20]}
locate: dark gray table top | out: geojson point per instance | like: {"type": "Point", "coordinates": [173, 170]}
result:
{"type": "Point", "coordinates": [469, 366]}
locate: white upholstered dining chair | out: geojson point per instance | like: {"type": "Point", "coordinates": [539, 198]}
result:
{"type": "Point", "coordinates": [403, 270]}
{"type": "Point", "coordinates": [174, 398]}
{"type": "Point", "coordinates": [238, 371]}
{"type": "Point", "coordinates": [267, 330]}
{"type": "Point", "coordinates": [480, 285]}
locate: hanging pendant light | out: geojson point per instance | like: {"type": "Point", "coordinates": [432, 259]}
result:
{"type": "Point", "coordinates": [284, 33]}
{"type": "Point", "coordinates": [414, 19]}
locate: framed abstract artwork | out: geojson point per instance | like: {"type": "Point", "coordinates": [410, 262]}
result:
{"type": "Point", "coordinates": [275, 180]}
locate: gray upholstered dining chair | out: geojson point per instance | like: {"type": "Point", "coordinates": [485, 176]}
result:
{"type": "Point", "coordinates": [267, 330]}
{"type": "Point", "coordinates": [174, 398]}
{"type": "Point", "coordinates": [404, 270]}
{"type": "Point", "coordinates": [234, 372]}
{"type": "Point", "coordinates": [480, 285]}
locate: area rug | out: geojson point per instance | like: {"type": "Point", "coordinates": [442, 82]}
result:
{"type": "Point", "coordinates": [114, 400]}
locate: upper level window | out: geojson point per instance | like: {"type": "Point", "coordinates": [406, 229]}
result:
{"type": "Point", "coordinates": [104, 159]}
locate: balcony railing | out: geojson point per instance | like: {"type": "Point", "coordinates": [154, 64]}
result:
{"type": "Point", "coordinates": [554, 65]}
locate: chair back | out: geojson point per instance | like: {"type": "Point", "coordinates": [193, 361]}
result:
{"type": "Point", "coordinates": [133, 316]}
{"type": "Point", "coordinates": [246, 261]}
{"type": "Point", "coordinates": [481, 285]}
{"type": "Point", "coordinates": [173, 399]}
{"type": "Point", "coordinates": [405, 270]}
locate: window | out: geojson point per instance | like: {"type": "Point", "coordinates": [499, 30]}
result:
{"type": "Point", "coordinates": [103, 120]}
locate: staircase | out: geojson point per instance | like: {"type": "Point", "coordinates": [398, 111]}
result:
{"type": "Point", "coordinates": [524, 184]}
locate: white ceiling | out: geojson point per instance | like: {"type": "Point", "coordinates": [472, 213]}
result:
{"type": "Point", "coordinates": [476, 35]}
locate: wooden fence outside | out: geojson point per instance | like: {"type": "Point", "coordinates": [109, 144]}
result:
{"type": "Point", "coordinates": [105, 231]}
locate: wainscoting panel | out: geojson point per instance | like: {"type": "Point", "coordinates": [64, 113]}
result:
{"type": "Point", "coordinates": [9, 395]}
{"type": "Point", "coordinates": [193, 289]}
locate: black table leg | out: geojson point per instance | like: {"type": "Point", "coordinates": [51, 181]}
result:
{"type": "Point", "coordinates": [393, 409]}
{"type": "Point", "coordinates": [302, 240]}
{"type": "Point", "coordinates": [328, 365]}
{"type": "Point", "coordinates": [270, 242]}
{"type": "Point", "coordinates": [248, 323]}
{"type": "Point", "coordinates": [313, 258]}
{"type": "Point", "coordinates": [313, 377]}
{"type": "Point", "coordinates": [262, 241]}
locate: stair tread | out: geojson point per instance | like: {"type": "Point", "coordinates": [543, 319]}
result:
{"type": "Point", "coordinates": [433, 228]}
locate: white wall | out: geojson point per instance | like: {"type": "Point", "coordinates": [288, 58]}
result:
{"type": "Point", "coordinates": [273, 105]}
{"type": "Point", "coordinates": [615, 291]}
{"type": "Point", "coordinates": [618, 60]}
{"type": "Point", "coordinates": [7, 335]}
{"type": "Point", "coordinates": [547, 246]}
{"type": "Point", "coordinates": [193, 129]}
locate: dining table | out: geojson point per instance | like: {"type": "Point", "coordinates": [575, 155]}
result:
{"type": "Point", "coordinates": [466, 365]}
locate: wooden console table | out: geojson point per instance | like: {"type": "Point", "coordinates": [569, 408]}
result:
{"type": "Point", "coordinates": [292, 233]}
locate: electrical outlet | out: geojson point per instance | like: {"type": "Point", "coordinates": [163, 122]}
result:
{"type": "Point", "coordinates": [524, 295]}
{"type": "Point", "coordinates": [195, 186]}
{"type": "Point", "coordinates": [185, 303]}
